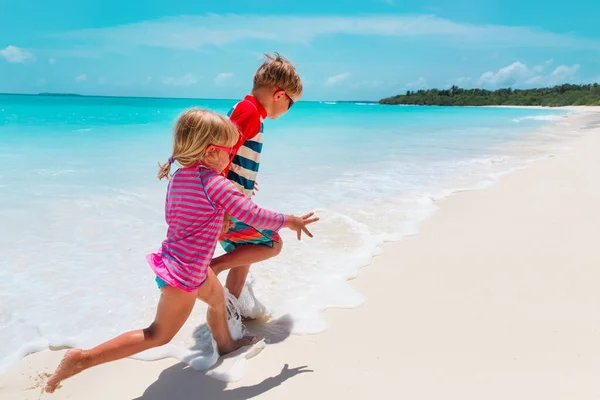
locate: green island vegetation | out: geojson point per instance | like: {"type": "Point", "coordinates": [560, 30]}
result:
{"type": "Point", "coordinates": [560, 95]}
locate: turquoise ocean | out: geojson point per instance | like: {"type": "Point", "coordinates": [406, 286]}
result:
{"type": "Point", "coordinates": [80, 205]}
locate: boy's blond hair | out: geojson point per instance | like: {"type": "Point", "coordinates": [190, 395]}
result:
{"type": "Point", "coordinates": [194, 132]}
{"type": "Point", "coordinates": [277, 71]}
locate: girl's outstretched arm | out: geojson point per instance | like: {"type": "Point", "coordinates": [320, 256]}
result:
{"type": "Point", "coordinates": [224, 195]}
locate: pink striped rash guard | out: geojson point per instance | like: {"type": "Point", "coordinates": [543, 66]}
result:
{"type": "Point", "coordinates": [197, 199]}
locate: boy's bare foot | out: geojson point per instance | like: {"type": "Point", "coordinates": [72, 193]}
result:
{"type": "Point", "coordinates": [71, 364]}
{"type": "Point", "coordinates": [236, 344]}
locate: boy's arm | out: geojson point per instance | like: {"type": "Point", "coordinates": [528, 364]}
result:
{"type": "Point", "coordinates": [227, 224]}
{"type": "Point", "coordinates": [244, 117]}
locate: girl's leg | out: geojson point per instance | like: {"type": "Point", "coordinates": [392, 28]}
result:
{"type": "Point", "coordinates": [211, 292]}
{"type": "Point", "coordinates": [174, 308]}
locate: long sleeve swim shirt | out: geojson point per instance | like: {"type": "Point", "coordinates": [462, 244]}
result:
{"type": "Point", "coordinates": [197, 199]}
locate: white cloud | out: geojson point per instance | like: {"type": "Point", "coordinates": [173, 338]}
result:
{"type": "Point", "coordinates": [81, 78]}
{"type": "Point", "coordinates": [51, 61]}
{"type": "Point", "coordinates": [519, 74]}
{"type": "Point", "coordinates": [102, 81]}
{"type": "Point", "coordinates": [334, 80]}
{"type": "Point", "coordinates": [40, 82]}
{"type": "Point", "coordinates": [506, 76]}
{"type": "Point", "coordinates": [536, 80]}
{"type": "Point", "coordinates": [148, 80]}
{"type": "Point", "coordinates": [192, 32]}
{"type": "Point", "coordinates": [185, 80]}
{"type": "Point", "coordinates": [420, 83]}
{"type": "Point", "coordinates": [538, 68]}
{"type": "Point", "coordinates": [222, 77]}
{"type": "Point", "coordinates": [563, 74]}
{"type": "Point", "coordinates": [14, 54]}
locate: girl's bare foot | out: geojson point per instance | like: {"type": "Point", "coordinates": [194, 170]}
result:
{"type": "Point", "coordinates": [236, 344]}
{"type": "Point", "coordinates": [71, 364]}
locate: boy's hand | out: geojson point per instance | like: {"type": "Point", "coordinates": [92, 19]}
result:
{"type": "Point", "coordinates": [299, 224]}
{"type": "Point", "coordinates": [255, 188]}
{"type": "Point", "coordinates": [227, 224]}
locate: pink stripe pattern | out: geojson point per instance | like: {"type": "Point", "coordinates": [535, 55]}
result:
{"type": "Point", "coordinates": [197, 199]}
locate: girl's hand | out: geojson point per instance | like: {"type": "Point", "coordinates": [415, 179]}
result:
{"type": "Point", "coordinates": [298, 224]}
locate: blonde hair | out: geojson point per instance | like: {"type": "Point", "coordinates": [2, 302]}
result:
{"type": "Point", "coordinates": [196, 129]}
{"type": "Point", "coordinates": [277, 71]}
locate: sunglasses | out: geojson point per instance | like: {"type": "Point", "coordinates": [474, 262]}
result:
{"type": "Point", "coordinates": [291, 103]}
{"type": "Point", "coordinates": [228, 150]}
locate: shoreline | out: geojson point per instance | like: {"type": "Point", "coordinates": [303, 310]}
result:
{"type": "Point", "coordinates": [331, 354]}
{"type": "Point", "coordinates": [569, 108]}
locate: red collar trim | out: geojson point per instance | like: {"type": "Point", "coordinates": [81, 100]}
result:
{"type": "Point", "coordinates": [261, 110]}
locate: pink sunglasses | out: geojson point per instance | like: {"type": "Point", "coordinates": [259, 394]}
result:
{"type": "Point", "coordinates": [228, 150]}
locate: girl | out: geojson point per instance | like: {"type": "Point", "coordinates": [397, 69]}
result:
{"type": "Point", "coordinates": [197, 198]}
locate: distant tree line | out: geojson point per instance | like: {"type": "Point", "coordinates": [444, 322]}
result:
{"type": "Point", "coordinates": [561, 95]}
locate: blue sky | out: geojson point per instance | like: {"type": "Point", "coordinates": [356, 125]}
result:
{"type": "Point", "coordinates": [359, 50]}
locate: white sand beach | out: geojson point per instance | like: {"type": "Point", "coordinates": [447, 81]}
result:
{"type": "Point", "coordinates": [496, 297]}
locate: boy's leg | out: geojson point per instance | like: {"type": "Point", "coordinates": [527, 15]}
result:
{"type": "Point", "coordinates": [212, 293]}
{"type": "Point", "coordinates": [245, 254]}
{"type": "Point", "coordinates": [236, 280]}
{"type": "Point", "coordinates": [173, 310]}
{"type": "Point", "coordinates": [239, 260]}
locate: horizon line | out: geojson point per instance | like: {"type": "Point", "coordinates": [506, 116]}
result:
{"type": "Point", "coordinates": [53, 94]}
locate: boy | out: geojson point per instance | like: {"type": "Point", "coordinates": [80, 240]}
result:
{"type": "Point", "coordinates": [276, 87]}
